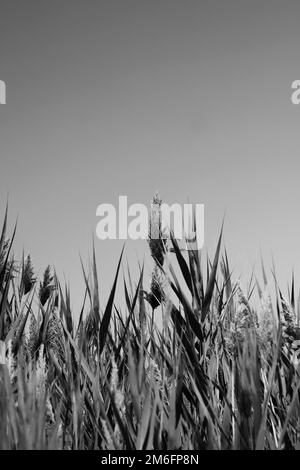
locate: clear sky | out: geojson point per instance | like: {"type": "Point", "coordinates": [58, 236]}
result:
{"type": "Point", "coordinates": [124, 97]}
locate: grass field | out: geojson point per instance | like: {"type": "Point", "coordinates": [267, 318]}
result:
{"type": "Point", "coordinates": [213, 373]}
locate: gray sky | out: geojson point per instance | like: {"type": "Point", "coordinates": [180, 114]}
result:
{"type": "Point", "coordinates": [109, 98]}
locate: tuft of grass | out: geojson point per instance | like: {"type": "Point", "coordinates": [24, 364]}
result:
{"type": "Point", "coordinates": [214, 373]}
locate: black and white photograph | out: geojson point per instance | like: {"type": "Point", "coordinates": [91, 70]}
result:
{"type": "Point", "coordinates": [149, 228]}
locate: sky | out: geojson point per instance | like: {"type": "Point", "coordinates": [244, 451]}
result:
{"type": "Point", "coordinates": [125, 97]}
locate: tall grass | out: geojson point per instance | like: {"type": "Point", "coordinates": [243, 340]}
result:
{"type": "Point", "coordinates": [213, 373]}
